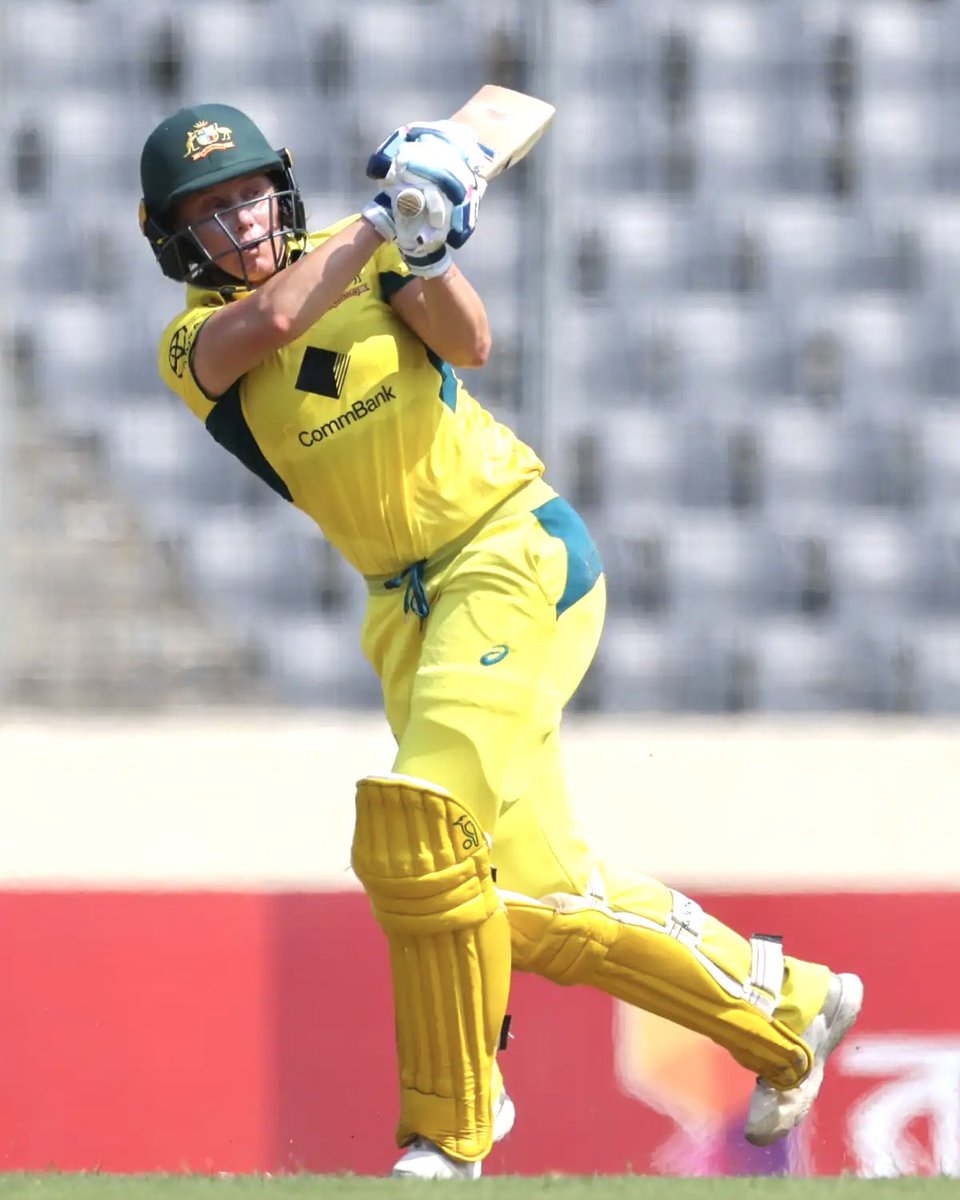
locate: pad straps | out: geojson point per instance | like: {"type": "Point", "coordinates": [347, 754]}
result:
{"type": "Point", "coordinates": [765, 985]}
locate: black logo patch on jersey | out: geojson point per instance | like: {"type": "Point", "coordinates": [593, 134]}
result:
{"type": "Point", "coordinates": [323, 372]}
{"type": "Point", "coordinates": [179, 350]}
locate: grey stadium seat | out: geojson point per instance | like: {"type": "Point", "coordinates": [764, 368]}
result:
{"type": "Point", "coordinates": [739, 142]}
{"type": "Point", "coordinates": [254, 564]}
{"type": "Point", "coordinates": [50, 45]}
{"type": "Point", "coordinates": [800, 665]}
{"type": "Point", "coordinates": [898, 43]}
{"type": "Point", "coordinates": [316, 660]}
{"type": "Point", "coordinates": [719, 459]}
{"type": "Point", "coordinates": [939, 430]}
{"type": "Point", "coordinates": [883, 461]}
{"type": "Point", "coordinates": [236, 45]}
{"type": "Point", "coordinates": [873, 557]}
{"type": "Point", "coordinates": [712, 564]}
{"type": "Point", "coordinates": [635, 668]}
{"type": "Point", "coordinates": [610, 47]}
{"type": "Point", "coordinates": [886, 672]}
{"type": "Point", "coordinates": [652, 249]}
{"type": "Point", "coordinates": [170, 466]}
{"type": "Point", "coordinates": [739, 45]}
{"type": "Point", "coordinates": [608, 138]}
{"type": "Point", "coordinates": [937, 650]}
{"type": "Point", "coordinates": [803, 456]}
{"type": "Point", "coordinates": [795, 575]}
{"type": "Point", "coordinates": [937, 225]}
{"type": "Point", "coordinates": [883, 346]}
{"type": "Point", "coordinates": [937, 578]}
{"type": "Point", "coordinates": [814, 245]}
{"type": "Point", "coordinates": [902, 139]}
{"type": "Point", "coordinates": [721, 346]}
{"type": "Point", "coordinates": [639, 459]}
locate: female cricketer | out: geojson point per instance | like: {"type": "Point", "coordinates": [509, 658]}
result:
{"type": "Point", "coordinates": [325, 362]}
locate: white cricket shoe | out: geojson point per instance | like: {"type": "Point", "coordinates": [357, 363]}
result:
{"type": "Point", "coordinates": [773, 1113]}
{"type": "Point", "coordinates": [424, 1160]}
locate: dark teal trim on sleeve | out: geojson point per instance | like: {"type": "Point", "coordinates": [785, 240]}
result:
{"type": "Point", "coordinates": [228, 426]}
{"type": "Point", "coordinates": [448, 380]}
{"type": "Point", "coordinates": [392, 281]}
{"type": "Point", "coordinates": [584, 566]}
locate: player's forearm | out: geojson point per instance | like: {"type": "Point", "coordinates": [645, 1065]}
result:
{"type": "Point", "coordinates": [294, 299]}
{"type": "Point", "coordinates": [458, 327]}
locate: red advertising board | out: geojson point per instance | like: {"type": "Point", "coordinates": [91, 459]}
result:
{"type": "Point", "coordinates": [234, 1032]}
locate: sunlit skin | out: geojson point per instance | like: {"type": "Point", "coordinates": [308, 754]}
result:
{"type": "Point", "coordinates": [445, 313]}
{"type": "Point", "coordinates": [246, 209]}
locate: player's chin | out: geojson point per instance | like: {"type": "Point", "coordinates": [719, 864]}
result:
{"type": "Point", "coordinates": [262, 261]}
{"type": "Point", "coordinates": [253, 265]}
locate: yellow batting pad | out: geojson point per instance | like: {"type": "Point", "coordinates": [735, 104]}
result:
{"type": "Point", "coordinates": [423, 860]}
{"type": "Point", "coordinates": [671, 960]}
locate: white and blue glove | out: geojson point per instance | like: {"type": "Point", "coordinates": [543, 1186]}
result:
{"type": "Point", "coordinates": [421, 238]}
{"type": "Point", "coordinates": [442, 162]}
{"type": "Point", "coordinates": [460, 137]}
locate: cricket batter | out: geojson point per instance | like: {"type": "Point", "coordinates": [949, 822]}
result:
{"type": "Point", "coordinates": [325, 362]}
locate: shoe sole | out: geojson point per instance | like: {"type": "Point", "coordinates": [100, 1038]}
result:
{"type": "Point", "coordinates": [848, 1009]}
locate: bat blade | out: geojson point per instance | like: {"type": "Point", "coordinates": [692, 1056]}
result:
{"type": "Point", "coordinates": [507, 122]}
{"type": "Point", "coordinates": [510, 123]}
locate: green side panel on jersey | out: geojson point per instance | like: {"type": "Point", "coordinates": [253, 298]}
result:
{"type": "Point", "coordinates": [448, 380]}
{"type": "Point", "coordinates": [228, 426]}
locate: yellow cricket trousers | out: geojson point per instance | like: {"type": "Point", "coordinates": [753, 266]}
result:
{"type": "Point", "coordinates": [474, 695]}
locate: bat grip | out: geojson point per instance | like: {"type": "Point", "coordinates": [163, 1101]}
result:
{"type": "Point", "coordinates": [410, 202]}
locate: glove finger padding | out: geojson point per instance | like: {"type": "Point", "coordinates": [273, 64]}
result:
{"type": "Point", "coordinates": [429, 227]}
{"type": "Point", "coordinates": [439, 220]}
{"type": "Point", "coordinates": [438, 208]}
{"type": "Point", "coordinates": [433, 160]}
{"type": "Point", "coordinates": [380, 213]}
{"type": "Point", "coordinates": [463, 219]}
{"type": "Point", "coordinates": [476, 155]}
{"type": "Point", "coordinates": [381, 160]}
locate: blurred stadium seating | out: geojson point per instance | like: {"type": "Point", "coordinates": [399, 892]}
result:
{"type": "Point", "coordinates": [754, 343]}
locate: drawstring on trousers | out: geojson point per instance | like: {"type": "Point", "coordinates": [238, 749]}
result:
{"type": "Point", "coordinates": [415, 597]}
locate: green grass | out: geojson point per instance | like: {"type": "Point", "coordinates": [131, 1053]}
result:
{"type": "Point", "coordinates": [330, 1187]}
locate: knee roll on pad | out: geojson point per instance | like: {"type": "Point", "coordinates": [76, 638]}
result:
{"type": "Point", "coordinates": [657, 963]}
{"type": "Point", "coordinates": [423, 861]}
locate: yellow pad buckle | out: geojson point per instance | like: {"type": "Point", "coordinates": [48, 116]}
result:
{"type": "Point", "coordinates": [423, 860]}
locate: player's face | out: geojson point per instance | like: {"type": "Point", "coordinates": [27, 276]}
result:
{"type": "Point", "coordinates": [237, 223]}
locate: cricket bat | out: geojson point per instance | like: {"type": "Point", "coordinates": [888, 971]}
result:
{"type": "Point", "coordinates": [507, 122]}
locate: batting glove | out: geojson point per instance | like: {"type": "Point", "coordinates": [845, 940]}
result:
{"type": "Point", "coordinates": [474, 153]}
{"type": "Point", "coordinates": [422, 238]}
{"type": "Point", "coordinates": [418, 156]}
{"type": "Point", "coordinates": [379, 212]}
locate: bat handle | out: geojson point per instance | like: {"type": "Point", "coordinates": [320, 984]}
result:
{"type": "Point", "coordinates": [410, 202]}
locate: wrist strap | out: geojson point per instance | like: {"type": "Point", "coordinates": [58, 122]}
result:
{"type": "Point", "coordinates": [429, 266]}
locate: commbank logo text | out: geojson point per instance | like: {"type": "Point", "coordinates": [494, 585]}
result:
{"type": "Point", "coordinates": [356, 412]}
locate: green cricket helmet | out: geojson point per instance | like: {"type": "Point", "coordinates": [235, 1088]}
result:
{"type": "Point", "coordinates": [194, 149]}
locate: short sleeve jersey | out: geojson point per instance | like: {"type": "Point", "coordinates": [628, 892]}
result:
{"type": "Point", "coordinates": [358, 423]}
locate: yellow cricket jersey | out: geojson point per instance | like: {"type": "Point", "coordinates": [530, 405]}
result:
{"type": "Point", "coordinates": [359, 424]}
